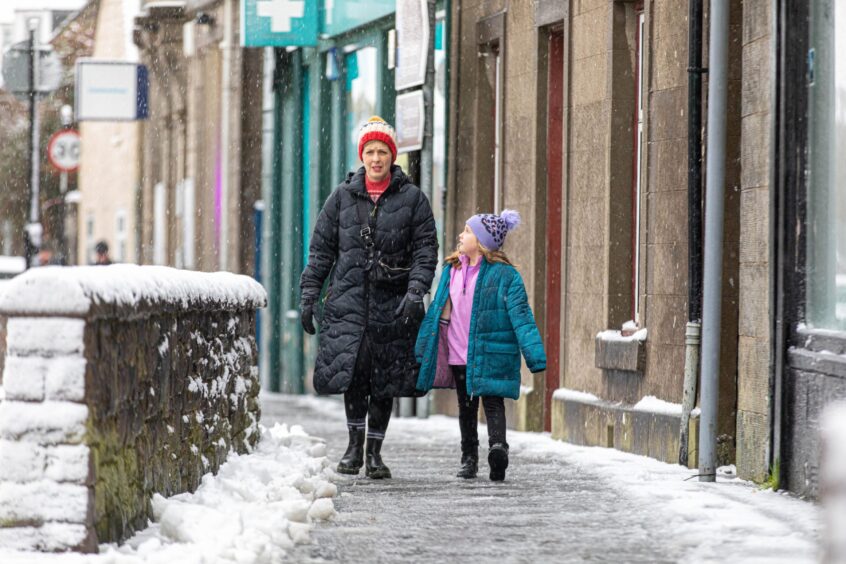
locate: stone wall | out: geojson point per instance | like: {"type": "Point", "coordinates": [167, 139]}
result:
{"type": "Point", "coordinates": [120, 382]}
{"type": "Point", "coordinates": [754, 336]}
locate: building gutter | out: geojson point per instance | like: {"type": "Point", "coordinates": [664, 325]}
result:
{"type": "Point", "coordinates": [713, 270]}
{"type": "Point", "coordinates": [694, 222]}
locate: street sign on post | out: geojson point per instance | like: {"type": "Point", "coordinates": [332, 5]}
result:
{"type": "Point", "coordinates": [16, 70]}
{"type": "Point", "coordinates": [279, 23]}
{"type": "Point", "coordinates": [413, 41]}
{"type": "Point", "coordinates": [63, 150]}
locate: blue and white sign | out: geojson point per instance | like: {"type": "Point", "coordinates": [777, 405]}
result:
{"type": "Point", "coordinates": [279, 23]}
{"type": "Point", "coordinates": [110, 90]}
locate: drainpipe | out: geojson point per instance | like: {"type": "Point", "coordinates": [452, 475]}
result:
{"type": "Point", "coordinates": [225, 102]}
{"type": "Point", "coordinates": [714, 195]}
{"type": "Point", "coordinates": [694, 222]}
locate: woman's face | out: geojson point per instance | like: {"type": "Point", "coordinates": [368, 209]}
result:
{"type": "Point", "coordinates": [467, 242]}
{"type": "Point", "coordinates": [377, 160]}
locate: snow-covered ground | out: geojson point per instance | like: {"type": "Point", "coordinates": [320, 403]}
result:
{"type": "Point", "coordinates": [254, 510]}
{"type": "Point", "coordinates": [260, 504]}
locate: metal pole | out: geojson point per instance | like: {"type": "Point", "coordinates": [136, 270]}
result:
{"type": "Point", "coordinates": [712, 306]}
{"type": "Point", "coordinates": [33, 229]}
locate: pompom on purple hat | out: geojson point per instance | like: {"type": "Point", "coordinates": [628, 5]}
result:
{"type": "Point", "coordinates": [491, 229]}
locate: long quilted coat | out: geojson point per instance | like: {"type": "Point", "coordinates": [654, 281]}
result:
{"type": "Point", "coordinates": [501, 327]}
{"type": "Point", "coordinates": [358, 298]}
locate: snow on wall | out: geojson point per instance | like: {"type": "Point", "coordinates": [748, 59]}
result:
{"type": "Point", "coordinates": [74, 291]}
{"type": "Point", "coordinates": [119, 382]}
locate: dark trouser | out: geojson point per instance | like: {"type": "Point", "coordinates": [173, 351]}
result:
{"type": "Point", "coordinates": [359, 403]}
{"type": "Point", "coordinates": [468, 413]}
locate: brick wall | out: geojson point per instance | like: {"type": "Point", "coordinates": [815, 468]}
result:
{"type": "Point", "coordinates": [118, 395]}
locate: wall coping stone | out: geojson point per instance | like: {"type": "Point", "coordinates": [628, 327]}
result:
{"type": "Point", "coordinates": [126, 290]}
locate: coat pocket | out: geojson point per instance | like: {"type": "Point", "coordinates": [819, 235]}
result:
{"type": "Point", "coordinates": [501, 360]}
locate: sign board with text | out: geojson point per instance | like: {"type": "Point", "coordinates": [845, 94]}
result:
{"type": "Point", "coordinates": [410, 119]}
{"type": "Point", "coordinates": [110, 90]}
{"type": "Point", "coordinates": [413, 43]}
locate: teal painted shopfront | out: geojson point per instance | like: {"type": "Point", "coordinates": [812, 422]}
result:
{"type": "Point", "coordinates": [317, 97]}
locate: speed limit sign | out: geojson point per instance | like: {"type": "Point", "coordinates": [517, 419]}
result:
{"type": "Point", "coordinates": [63, 150]}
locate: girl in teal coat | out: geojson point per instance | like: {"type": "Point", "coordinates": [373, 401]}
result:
{"type": "Point", "coordinates": [478, 325]}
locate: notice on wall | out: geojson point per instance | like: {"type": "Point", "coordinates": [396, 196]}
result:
{"type": "Point", "coordinates": [410, 119]}
{"type": "Point", "coordinates": [412, 43]}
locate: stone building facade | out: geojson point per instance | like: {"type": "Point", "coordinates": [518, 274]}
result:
{"type": "Point", "coordinates": [109, 172]}
{"type": "Point", "coordinates": [201, 156]}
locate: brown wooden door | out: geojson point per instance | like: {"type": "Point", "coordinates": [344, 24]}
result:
{"type": "Point", "coordinates": [554, 185]}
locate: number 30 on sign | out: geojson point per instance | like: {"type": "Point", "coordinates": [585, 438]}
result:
{"type": "Point", "coordinates": [63, 150]}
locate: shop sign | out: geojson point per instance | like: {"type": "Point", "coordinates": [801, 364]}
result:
{"type": "Point", "coordinates": [279, 23]}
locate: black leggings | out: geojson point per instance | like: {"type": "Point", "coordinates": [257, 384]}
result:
{"type": "Point", "coordinates": [468, 413]}
{"type": "Point", "coordinates": [360, 405]}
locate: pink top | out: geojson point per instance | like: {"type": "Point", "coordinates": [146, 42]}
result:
{"type": "Point", "coordinates": [462, 284]}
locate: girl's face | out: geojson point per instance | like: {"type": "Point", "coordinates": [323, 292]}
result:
{"type": "Point", "coordinates": [467, 242]}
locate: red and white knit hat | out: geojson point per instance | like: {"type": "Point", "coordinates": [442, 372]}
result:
{"type": "Point", "coordinates": [377, 129]}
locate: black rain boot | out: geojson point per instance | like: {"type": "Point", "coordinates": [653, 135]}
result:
{"type": "Point", "coordinates": [374, 467]}
{"type": "Point", "coordinates": [353, 459]}
{"type": "Point", "coordinates": [469, 461]}
{"type": "Point", "coordinates": [498, 461]}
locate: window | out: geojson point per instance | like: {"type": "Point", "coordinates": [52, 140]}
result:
{"type": "Point", "coordinates": [826, 211]}
{"type": "Point", "coordinates": [120, 236]}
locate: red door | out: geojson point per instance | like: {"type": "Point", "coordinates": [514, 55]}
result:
{"type": "Point", "coordinates": [554, 184]}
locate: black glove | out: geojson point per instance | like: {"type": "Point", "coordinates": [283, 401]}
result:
{"type": "Point", "coordinates": [411, 307]}
{"type": "Point", "coordinates": [307, 317]}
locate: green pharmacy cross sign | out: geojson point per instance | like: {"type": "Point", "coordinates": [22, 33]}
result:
{"type": "Point", "coordinates": [279, 23]}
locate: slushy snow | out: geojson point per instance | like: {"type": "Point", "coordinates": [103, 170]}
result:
{"type": "Point", "coordinates": [255, 509]}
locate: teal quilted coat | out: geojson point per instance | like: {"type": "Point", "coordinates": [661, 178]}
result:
{"type": "Point", "coordinates": [501, 327]}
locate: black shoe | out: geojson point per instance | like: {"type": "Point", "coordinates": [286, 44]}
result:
{"type": "Point", "coordinates": [469, 467]}
{"type": "Point", "coordinates": [374, 467]}
{"type": "Point", "coordinates": [469, 460]}
{"type": "Point", "coordinates": [498, 461]}
{"type": "Point", "coordinates": [353, 459]}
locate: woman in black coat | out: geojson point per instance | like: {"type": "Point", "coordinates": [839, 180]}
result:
{"type": "Point", "coordinates": [375, 241]}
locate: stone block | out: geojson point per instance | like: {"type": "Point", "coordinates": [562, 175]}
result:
{"type": "Point", "coordinates": [667, 116]}
{"type": "Point", "coordinates": [618, 354]}
{"type": "Point", "coordinates": [49, 537]}
{"type": "Point", "coordinates": [589, 80]}
{"type": "Point", "coordinates": [753, 375]}
{"type": "Point", "coordinates": [590, 34]}
{"type": "Point", "coordinates": [756, 87]}
{"type": "Point", "coordinates": [667, 165]}
{"type": "Point", "coordinates": [752, 445]}
{"type": "Point", "coordinates": [44, 336]}
{"type": "Point", "coordinates": [754, 310]}
{"type": "Point", "coordinates": [69, 463]}
{"type": "Point", "coordinates": [670, 59]}
{"type": "Point", "coordinates": [666, 217]}
{"type": "Point", "coordinates": [755, 150]}
{"type": "Point", "coordinates": [666, 318]}
{"type": "Point", "coordinates": [24, 378]}
{"type": "Point", "coordinates": [756, 21]}
{"type": "Point", "coordinates": [43, 500]}
{"type": "Point", "coordinates": [754, 227]}
{"type": "Point", "coordinates": [21, 462]}
{"type": "Point", "coordinates": [666, 269]}
{"type": "Point", "coordinates": [46, 422]}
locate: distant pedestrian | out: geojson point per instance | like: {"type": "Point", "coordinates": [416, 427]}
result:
{"type": "Point", "coordinates": [102, 254]}
{"type": "Point", "coordinates": [477, 326]}
{"type": "Point", "coordinates": [375, 242]}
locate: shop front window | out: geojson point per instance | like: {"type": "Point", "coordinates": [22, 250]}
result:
{"type": "Point", "coordinates": [826, 212]}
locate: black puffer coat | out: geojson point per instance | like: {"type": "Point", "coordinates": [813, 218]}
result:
{"type": "Point", "coordinates": [365, 290]}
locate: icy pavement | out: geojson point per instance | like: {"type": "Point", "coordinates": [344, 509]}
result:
{"type": "Point", "coordinates": [559, 503]}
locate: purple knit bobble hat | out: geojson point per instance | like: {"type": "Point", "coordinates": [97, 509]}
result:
{"type": "Point", "coordinates": [491, 229]}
